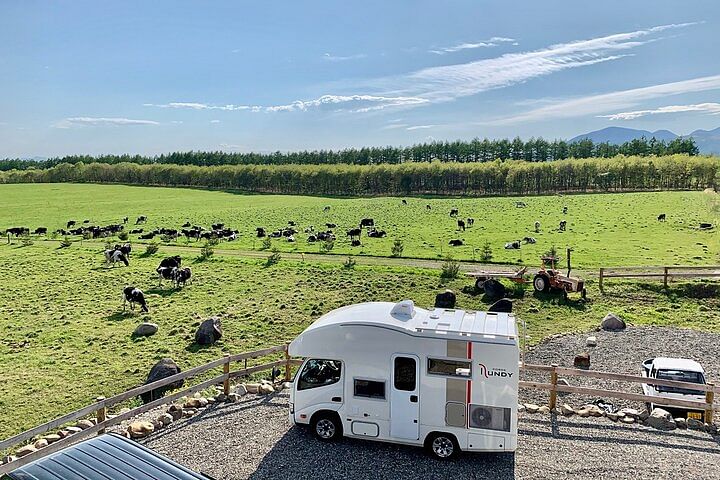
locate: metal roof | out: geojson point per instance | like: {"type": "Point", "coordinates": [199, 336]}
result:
{"type": "Point", "coordinates": [107, 457]}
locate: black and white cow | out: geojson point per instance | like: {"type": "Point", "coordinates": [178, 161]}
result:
{"type": "Point", "coordinates": [114, 256]}
{"type": "Point", "coordinates": [134, 295]}
{"type": "Point", "coordinates": [182, 276]}
{"type": "Point", "coordinates": [513, 245]}
{"type": "Point", "coordinates": [141, 219]}
{"type": "Point", "coordinates": [461, 225]}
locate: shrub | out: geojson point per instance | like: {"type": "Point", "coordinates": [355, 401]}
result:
{"type": "Point", "coordinates": [123, 236]}
{"type": "Point", "coordinates": [168, 238]}
{"type": "Point", "coordinates": [207, 250]}
{"type": "Point", "coordinates": [26, 240]}
{"type": "Point", "coordinates": [66, 242]}
{"type": "Point", "coordinates": [450, 268]}
{"type": "Point", "coordinates": [486, 254]}
{"type": "Point", "coordinates": [328, 245]}
{"type": "Point", "coordinates": [397, 248]}
{"type": "Point", "coordinates": [152, 248]}
{"type": "Point", "coordinates": [273, 258]}
{"type": "Point", "coordinates": [349, 262]}
{"type": "Point", "coordinates": [266, 243]}
{"type": "Point", "coordinates": [87, 236]}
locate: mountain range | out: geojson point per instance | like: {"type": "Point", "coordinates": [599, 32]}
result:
{"type": "Point", "coordinates": [708, 141]}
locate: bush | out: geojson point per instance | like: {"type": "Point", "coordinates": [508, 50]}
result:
{"type": "Point", "coordinates": [123, 236]}
{"type": "Point", "coordinates": [273, 258]}
{"type": "Point", "coordinates": [486, 254]}
{"type": "Point", "coordinates": [152, 248]}
{"type": "Point", "coordinates": [26, 240]}
{"type": "Point", "coordinates": [397, 248]}
{"type": "Point", "coordinates": [108, 245]}
{"type": "Point", "coordinates": [328, 245]}
{"type": "Point", "coordinates": [168, 238]}
{"type": "Point", "coordinates": [66, 242]}
{"type": "Point", "coordinates": [450, 268]}
{"type": "Point", "coordinates": [266, 243]}
{"type": "Point", "coordinates": [87, 236]}
{"type": "Point", "coordinates": [553, 252]}
{"type": "Point", "coordinates": [349, 262]}
{"type": "Point", "coordinates": [207, 250]}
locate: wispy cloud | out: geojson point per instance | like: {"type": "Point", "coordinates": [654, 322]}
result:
{"type": "Point", "coordinates": [709, 108]}
{"type": "Point", "coordinates": [607, 102]}
{"type": "Point", "coordinates": [203, 106]}
{"type": "Point", "coordinates": [101, 121]}
{"type": "Point", "coordinates": [493, 42]}
{"type": "Point", "coordinates": [339, 58]}
{"type": "Point", "coordinates": [214, 121]}
{"type": "Point", "coordinates": [420, 127]}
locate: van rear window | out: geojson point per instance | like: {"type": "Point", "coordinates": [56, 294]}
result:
{"type": "Point", "coordinates": [451, 368]}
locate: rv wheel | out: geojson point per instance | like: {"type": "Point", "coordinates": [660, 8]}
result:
{"type": "Point", "coordinates": [443, 446]}
{"type": "Point", "coordinates": [327, 427]}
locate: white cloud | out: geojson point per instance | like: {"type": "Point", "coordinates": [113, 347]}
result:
{"type": "Point", "coordinates": [709, 108]}
{"type": "Point", "coordinates": [606, 102]}
{"type": "Point", "coordinates": [493, 42]}
{"type": "Point", "coordinates": [101, 121]}
{"type": "Point", "coordinates": [214, 121]}
{"type": "Point", "coordinates": [420, 127]}
{"type": "Point", "coordinates": [202, 106]}
{"type": "Point", "coordinates": [231, 146]}
{"type": "Point", "coordinates": [339, 58]}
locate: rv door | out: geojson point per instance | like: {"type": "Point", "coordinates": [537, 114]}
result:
{"type": "Point", "coordinates": [405, 397]}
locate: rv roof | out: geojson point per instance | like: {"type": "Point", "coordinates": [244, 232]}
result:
{"type": "Point", "coordinates": [439, 322]}
{"type": "Point", "coordinates": [665, 363]}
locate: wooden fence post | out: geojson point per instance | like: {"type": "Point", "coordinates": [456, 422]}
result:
{"type": "Point", "coordinates": [553, 382]}
{"type": "Point", "coordinates": [226, 371]}
{"type": "Point", "coordinates": [665, 277]}
{"type": "Point", "coordinates": [709, 399]}
{"type": "Point", "coordinates": [287, 362]}
{"type": "Point", "coordinates": [101, 414]}
{"type": "Point", "coordinates": [600, 281]}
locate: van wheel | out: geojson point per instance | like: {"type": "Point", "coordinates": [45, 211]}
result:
{"type": "Point", "coordinates": [442, 446]}
{"type": "Point", "coordinates": [327, 427]}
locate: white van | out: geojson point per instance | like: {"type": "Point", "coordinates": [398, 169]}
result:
{"type": "Point", "coordinates": [446, 379]}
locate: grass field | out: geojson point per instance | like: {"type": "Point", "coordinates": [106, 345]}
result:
{"type": "Point", "coordinates": [603, 229]}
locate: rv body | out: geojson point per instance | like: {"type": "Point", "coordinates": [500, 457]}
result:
{"type": "Point", "coordinates": [397, 373]}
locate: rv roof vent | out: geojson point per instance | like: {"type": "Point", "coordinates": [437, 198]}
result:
{"type": "Point", "coordinates": [404, 309]}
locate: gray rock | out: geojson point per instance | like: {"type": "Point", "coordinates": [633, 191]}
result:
{"type": "Point", "coordinates": [661, 419]}
{"type": "Point", "coordinates": [582, 360]}
{"type": "Point", "coordinates": [504, 305]}
{"type": "Point", "coordinates": [145, 329]}
{"type": "Point", "coordinates": [166, 419]}
{"type": "Point", "coordinates": [209, 331]}
{"type": "Point", "coordinates": [163, 369]}
{"type": "Point", "coordinates": [26, 450]}
{"type": "Point", "coordinates": [681, 423]}
{"type": "Point", "coordinates": [695, 424]}
{"type": "Point", "coordinates": [241, 390]}
{"type": "Point", "coordinates": [445, 300]}
{"type": "Point", "coordinates": [591, 341]}
{"type": "Point", "coordinates": [220, 397]}
{"type": "Point", "coordinates": [612, 323]}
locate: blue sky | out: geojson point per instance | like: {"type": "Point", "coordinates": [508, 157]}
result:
{"type": "Point", "coordinates": [151, 77]}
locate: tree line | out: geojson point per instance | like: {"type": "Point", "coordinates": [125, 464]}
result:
{"type": "Point", "coordinates": [474, 151]}
{"type": "Point", "coordinates": [436, 178]}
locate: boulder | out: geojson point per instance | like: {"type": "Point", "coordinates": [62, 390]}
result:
{"type": "Point", "coordinates": [694, 424]}
{"type": "Point", "coordinates": [582, 360]}
{"type": "Point", "coordinates": [140, 429]}
{"type": "Point", "coordinates": [145, 329]}
{"type": "Point", "coordinates": [196, 403]}
{"type": "Point", "coordinates": [627, 419]}
{"type": "Point", "coordinates": [26, 450]}
{"type": "Point", "coordinates": [265, 389]}
{"type": "Point", "coordinates": [189, 412]}
{"type": "Point", "coordinates": [591, 341]}
{"type": "Point", "coordinates": [241, 390]}
{"type": "Point", "coordinates": [630, 412]}
{"type": "Point", "coordinates": [252, 387]}
{"type": "Point", "coordinates": [567, 410]}
{"type": "Point", "coordinates": [73, 430]}
{"type": "Point", "coordinates": [504, 305]}
{"type": "Point", "coordinates": [712, 429]}
{"type": "Point", "coordinates": [163, 369]}
{"type": "Point", "coordinates": [209, 331]}
{"type": "Point", "coordinates": [8, 459]}
{"type": "Point", "coordinates": [612, 323]}
{"type": "Point", "coordinates": [446, 299]}
{"type": "Point", "coordinates": [175, 414]}
{"type": "Point", "coordinates": [531, 408]}
{"type": "Point", "coordinates": [661, 419]}
{"type": "Point", "coordinates": [52, 438]}
{"type": "Point", "coordinates": [220, 397]}
{"type": "Point", "coordinates": [544, 409]}
{"type": "Point", "coordinates": [681, 423]}
{"type": "Point", "coordinates": [84, 424]}
{"type": "Point", "coordinates": [494, 289]}
{"type": "Point", "coordinates": [42, 443]}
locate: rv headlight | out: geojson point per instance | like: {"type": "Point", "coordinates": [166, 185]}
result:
{"type": "Point", "coordinates": [490, 418]}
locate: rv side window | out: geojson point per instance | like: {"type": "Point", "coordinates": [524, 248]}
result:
{"type": "Point", "coordinates": [369, 388]}
{"type": "Point", "coordinates": [452, 368]}
{"type": "Point", "coordinates": [318, 373]}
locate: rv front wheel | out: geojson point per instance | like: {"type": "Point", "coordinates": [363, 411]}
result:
{"type": "Point", "coordinates": [327, 427]}
{"type": "Point", "coordinates": [443, 446]}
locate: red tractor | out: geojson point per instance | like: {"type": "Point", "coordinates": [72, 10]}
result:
{"type": "Point", "coordinates": [550, 278]}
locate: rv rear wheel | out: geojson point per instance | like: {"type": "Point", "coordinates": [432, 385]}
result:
{"type": "Point", "coordinates": [327, 427]}
{"type": "Point", "coordinates": [442, 446]}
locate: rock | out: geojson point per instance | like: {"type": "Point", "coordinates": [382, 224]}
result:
{"type": "Point", "coordinates": [504, 305]}
{"type": "Point", "coordinates": [52, 438]}
{"type": "Point", "coordinates": [591, 341]}
{"type": "Point", "coordinates": [209, 331]}
{"type": "Point", "coordinates": [189, 412]}
{"type": "Point", "coordinates": [265, 389]}
{"type": "Point", "coordinates": [162, 369]}
{"type": "Point", "coordinates": [544, 409]}
{"type": "Point", "coordinates": [73, 430]}
{"type": "Point", "coordinates": [145, 329]}
{"type": "Point", "coordinates": [8, 459]}
{"type": "Point", "coordinates": [582, 361]}
{"type": "Point", "coordinates": [661, 419]}
{"type": "Point", "coordinates": [63, 433]}
{"type": "Point", "coordinates": [175, 411]}
{"type": "Point", "coordinates": [140, 429]}
{"type": "Point", "coordinates": [613, 416]}
{"type": "Point", "coordinates": [711, 429]}
{"type": "Point", "coordinates": [531, 408]}
{"type": "Point", "coordinates": [521, 407]}
{"type": "Point", "coordinates": [494, 289]}
{"type": "Point", "coordinates": [567, 410]}
{"type": "Point", "coordinates": [562, 381]}
{"type": "Point", "coordinates": [26, 450]}
{"type": "Point", "coordinates": [630, 412]}
{"type": "Point", "coordinates": [220, 397]}
{"type": "Point", "coordinates": [165, 419]}
{"type": "Point", "coordinates": [84, 424]}
{"type": "Point", "coordinates": [627, 419]}
{"type": "Point", "coordinates": [446, 299]}
{"type": "Point", "coordinates": [233, 397]}
{"type": "Point", "coordinates": [252, 387]}
{"type": "Point", "coordinates": [695, 424]}
{"type": "Point", "coordinates": [241, 390]}
{"type": "Point", "coordinates": [681, 423]}
{"type": "Point", "coordinates": [42, 443]}
{"type": "Point", "coordinates": [612, 323]}
{"type": "Point", "coordinates": [210, 400]}
{"type": "Point", "coordinates": [593, 410]}
{"type": "Point", "coordinates": [583, 412]}
{"type": "Point", "coordinates": [196, 403]}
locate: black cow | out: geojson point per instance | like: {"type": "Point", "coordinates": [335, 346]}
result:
{"type": "Point", "coordinates": [330, 225]}
{"type": "Point", "coordinates": [136, 231]}
{"type": "Point", "coordinates": [404, 202]}
{"type": "Point", "coordinates": [185, 225]}
{"type": "Point", "coordinates": [367, 222]}
{"type": "Point", "coordinates": [312, 238]}
{"type": "Point", "coordinates": [125, 248]}
{"type": "Point", "coordinates": [18, 231]}
{"type": "Point", "coordinates": [171, 262]}
{"type": "Point", "coordinates": [354, 232]}
{"type": "Point", "coordinates": [455, 243]}
{"type": "Point", "coordinates": [513, 245]}
{"type": "Point", "coordinates": [134, 295]}
{"type": "Point", "coordinates": [661, 217]}
{"type": "Point", "coordinates": [461, 225]}
{"type": "Point", "coordinates": [141, 219]}
{"type": "Point", "coordinates": [529, 240]}
{"type": "Point", "coordinates": [166, 273]}
{"type": "Point", "coordinates": [86, 221]}
{"type": "Point", "coordinates": [218, 226]}
{"type": "Point", "coordinates": [355, 243]}
{"type": "Point", "coordinates": [470, 222]}
{"type": "Point", "coordinates": [40, 231]}
{"type": "Point", "coordinates": [374, 233]}
{"type": "Point", "coordinates": [70, 223]}
{"type": "Point", "coordinates": [327, 208]}
{"type": "Point", "coordinates": [147, 236]}
{"type": "Point", "coordinates": [454, 212]}
{"type": "Point", "coordinates": [565, 209]}
{"type": "Point", "coordinates": [563, 225]}
{"type": "Point", "coordinates": [125, 220]}
{"type": "Point", "coordinates": [428, 207]}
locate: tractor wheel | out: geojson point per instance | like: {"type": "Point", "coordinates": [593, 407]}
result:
{"type": "Point", "coordinates": [480, 283]}
{"type": "Point", "coordinates": [541, 283]}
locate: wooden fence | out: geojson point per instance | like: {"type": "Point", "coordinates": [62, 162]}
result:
{"type": "Point", "coordinates": [553, 387]}
{"type": "Point", "coordinates": [100, 407]}
{"type": "Point", "coordinates": [666, 274]}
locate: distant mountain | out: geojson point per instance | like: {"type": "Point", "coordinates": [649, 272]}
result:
{"type": "Point", "coordinates": [708, 141]}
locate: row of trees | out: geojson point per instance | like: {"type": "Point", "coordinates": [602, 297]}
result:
{"type": "Point", "coordinates": [451, 178]}
{"type": "Point", "coordinates": [533, 150]}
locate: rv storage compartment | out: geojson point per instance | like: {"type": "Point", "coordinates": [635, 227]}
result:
{"type": "Point", "coordinates": [485, 442]}
{"type": "Point", "coordinates": [455, 414]}
{"type": "Point", "coordinates": [365, 429]}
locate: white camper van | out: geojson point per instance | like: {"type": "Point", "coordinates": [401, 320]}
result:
{"type": "Point", "coordinates": [444, 378]}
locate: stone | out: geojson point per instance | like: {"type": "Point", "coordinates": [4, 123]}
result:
{"type": "Point", "coordinates": [145, 329]}
{"type": "Point", "coordinates": [8, 459]}
{"type": "Point", "coordinates": [252, 387]}
{"type": "Point", "coordinates": [233, 397]}
{"type": "Point", "coordinates": [562, 381]}
{"type": "Point", "coordinates": [583, 412]}
{"type": "Point", "coordinates": [582, 361]}
{"type": "Point", "coordinates": [25, 450]}
{"type": "Point", "coordinates": [241, 390]}
{"type": "Point", "coordinates": [220, 397]}
{"type": "Point", "coordinates": [544, 409]}
{"type": "Point", "coordinates": [567, 410]}
{"type": "Point", "coordinates": [165, 419]}
{"type": "Point", "coordinates": [695, 424]}
{"type": "Point", "coordinates": [84, 424]}
{"type": "Point", "coordinates": [504, 305]}
{"type": "Point", "coordinates": [593, 410]}
{"type": "Point", "coordinates": [613, 416]}
{"type": "Point", "coordinates": [661, 419]}
{"type": "Point", "coordinates": [73, 430]}
{"type": "Point", "coordinates": [63, 433]}
{"type": "Point", "coordinates": [196, 403]}
{"type": "Point", "coordinates": [175, 412]}
{"type": "Point", "coordinates": [52, 438]}
{"type": "Point", "coordinates": [612, 323]}
{"type": "Point", "coordinates": [189, 412]}
{"type": "Point", "coordinates": [591, 341]}
{"type": "Point", "coordinates": [209, 331]}
{"type": "Point", "coordinates": [162, 369]}
{"type": "Point", "coordinates": [211, 400]}
{"type": "Point", "coordinates": [681, 423]}
{"type": "Point", "coordinates": [531, 408]}
{"type": "Point", "coordinates": [446, 299]}
{"type": "Point", "coordinates": [521, 407]}
{"type": "Point", "coordinates": [265, 389]}
{"type": "Point", "coordinates": [630, 412]}
{"type": "Point", "coordinates": [140, 429]}
{"type": "Point", "coordinates": [627, 419]}
{"type": "Point", "coordinates": [42, 443]}
{"type": "Point", "coordinates": [711, 429]}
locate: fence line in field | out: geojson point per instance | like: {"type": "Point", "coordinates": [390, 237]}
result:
{"type": "Point", "coordinates": [667, 274]}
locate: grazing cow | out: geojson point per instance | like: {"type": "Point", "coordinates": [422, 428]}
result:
{"type": "Point", "coordinates": [470, 222]}
{"type": "Point", "coordinates": [327, 208]}
{"type": "Point", "coordinates": [125, 220]}
{"type": "Point", "coordinates": [70, 223]}
{"type": "Point", "coordinates": [330, 225]}
{"type": "Point", "coordinates": [134, 295]}
{"type": "Point", "coordinates": [260, 232]}
{"type": "Point", "coordinates": [454, 212]}
{"type": "Point", "coordinates": [312, 238]}
{"type": "Point", "coordinates": [375, 233]}
{"type": "Point", "coordinates": [166, 273]}
{"type": "Point", "coordinates": [125, 249]}
{"type": "Point", "coordinates": [136, 231]}
{"type": "Point", "coordinates": [366, 222]}
{"type": "Point", "coordinates": [310, 229]}
{"type": "Point", "coordinates": [218, 226]}
{"type": "Point", "coordinates": [563, 225]}
{"type": "Point", "coordinates": [455, 243]}
{"type": "Point", "coordinates": [182, 275]}
{"type": "Point", "coordinates": [141, 219]}
{"type": "Point", "coordinates": [291, 239]}
{"type": "Point", "coordinates": [170, 262]}
{"type": "Point", "coordinates": [147, 236]}
{"type": "Point", "coordinates": [513, 245]}
{"type": "Point", "coordinates": [185, 225]}
{"type": "Point", "coordinates": [520, 205]}
{"type": "Point", "coordinates": [428, 207]}
{"type": "Point", "coordinates": [565, 209]}
{"type": "Point", "coordinates": [529, 240]}
{"type": "Point", "coordinates": [291, 223]}
{"type": "Point", "coordinates": [114, 256]}
{"type": "Point", "coordinates": [323, 236]}
{"type": "Point", "coordinates": [275, 234]}
{"type": "Point", "coordinates": [537, 226]}
{"type": "Point", "coordinates": [40, 231]}
{"type": "Point", "coordinates": [355, 232]}
{"type": "Point", "coordinates": [404, 202]}
{"type": "Point", "coordinates": [461, 225]}
{"type": "Point", "coordinates": [661, 217]}
{"type": "Point", "coordinates": [18, 231]}
{"type": "Point", "coordinates": [355, 243]}
{"type": "Point", "coordinates": [86, 221]}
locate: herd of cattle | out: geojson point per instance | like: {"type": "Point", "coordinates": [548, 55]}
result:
{"type": "Point", "coordinates": [288, 232]}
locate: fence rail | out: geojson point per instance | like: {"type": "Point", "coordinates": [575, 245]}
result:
{"type": "Point", "coordinates": [100, 407]}
{"type": "Point", "coordinates": [667, 274]}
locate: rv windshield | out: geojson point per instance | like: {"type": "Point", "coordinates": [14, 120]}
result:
{"type": "Point", "coordinates": [318, 373]}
